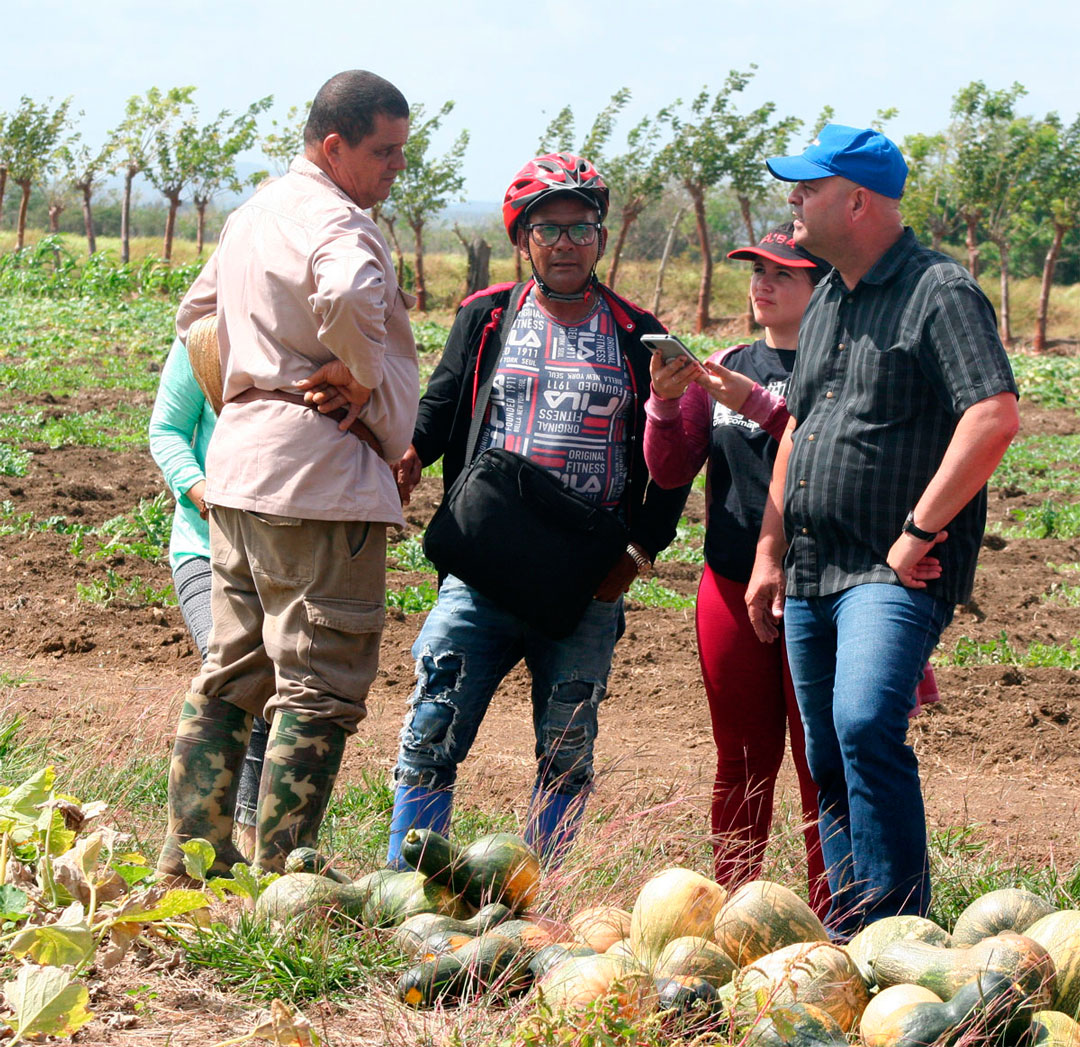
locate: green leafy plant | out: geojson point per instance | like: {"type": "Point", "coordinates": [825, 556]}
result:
{"type": "Point", "coordinates": [133, 591]}
{"type": "Point", "coordinates": [243, 880]}
{"type": "Point", "coordinates": [412, 599]}
{"type": "Point", "coordinates": [1048, 381]}
{"type": "Point", "coordinates": [13, 461]}
{"type": "Point", "coordinates": [67, 906]}
{"type": "Point", "coordinates": [1045, 462]}
{"type": "Point", "coordinates": [1061, 593]}
{"type": "Point", "coordinates": [688, 546]}
{"type": "Point", "coordinates": [1052, 519]}
{"type": "Point", "coordinates": [653, 594]}
{"type": "Point", "coordinates": [408, 555]}
{"type": "Point", "coordinates": [144, 532]}
{"type": "Point", "coordinates": [1000, 651]}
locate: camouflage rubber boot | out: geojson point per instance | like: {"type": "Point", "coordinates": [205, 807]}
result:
{"type": "Point", "coordinates": [204, 774]}
{"type": "Point", "coordinates": [301, 763]}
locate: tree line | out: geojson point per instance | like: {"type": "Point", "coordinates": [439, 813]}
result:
{"type": "Point", "coordinates": [995, 181]}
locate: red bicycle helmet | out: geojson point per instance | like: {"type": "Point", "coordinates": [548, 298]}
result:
{"type": "Point", "coordinates": [548, 174]}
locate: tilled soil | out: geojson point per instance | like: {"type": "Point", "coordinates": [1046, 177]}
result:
{"type": "Point", "coordinates": [1000, 752]}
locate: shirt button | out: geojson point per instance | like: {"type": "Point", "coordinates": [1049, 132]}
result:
{"type": "Point", "coordinates": [805, 530]}
{"type": "Point", "coordinates": [840, 347]}
{"type": "Point", "coordinates": [802, 483]}
{"type": "Point", "coordinates": [828, 395]}
{"type": "Point", "coordinates": [810, 437]}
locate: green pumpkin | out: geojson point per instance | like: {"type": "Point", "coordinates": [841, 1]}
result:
{"type": "Point", "coordinates": [1009, 909]}
{"type": "Point", "coordinates": [298, 893]}
{"type": "Point", "coordinates": [395, 899]}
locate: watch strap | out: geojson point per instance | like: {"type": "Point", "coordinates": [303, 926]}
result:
{"type": "Point", "coordinates": [917, 532]}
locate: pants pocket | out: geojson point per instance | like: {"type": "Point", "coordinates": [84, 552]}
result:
{"type": "Point", "coordinates": [356, 536]}
{"type": "Point", "coordinates": [280, 548]}
{"type": "Point", "coordinates": [340, 645]}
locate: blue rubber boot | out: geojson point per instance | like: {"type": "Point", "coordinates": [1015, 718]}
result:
{"type": "Point", "coordinates": [552, 823]}
{"type": "Point", "coordinates": [416, 807]}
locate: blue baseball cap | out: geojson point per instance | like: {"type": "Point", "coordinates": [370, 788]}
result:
{"type": "Point", "coordinates": [861, 155]}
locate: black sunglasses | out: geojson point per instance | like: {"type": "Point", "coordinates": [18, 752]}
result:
{"type": "Point", "coordinates": [546, 234]}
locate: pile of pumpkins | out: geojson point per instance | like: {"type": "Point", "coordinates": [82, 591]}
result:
{"type": "Point", "coordinates": [756, 963]}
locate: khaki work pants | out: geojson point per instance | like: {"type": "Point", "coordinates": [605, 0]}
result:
{"type": "Point", "coordinates": [298, 609]}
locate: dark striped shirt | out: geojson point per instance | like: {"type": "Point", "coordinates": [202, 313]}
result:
{"type": "Point", "coordinates": [882, 376]}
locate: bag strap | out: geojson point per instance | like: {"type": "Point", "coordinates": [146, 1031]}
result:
{"type": "Point", "coordinates": [484, 392]}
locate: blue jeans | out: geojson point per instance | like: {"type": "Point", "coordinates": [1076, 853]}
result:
{"type": "Point", "coordinates": [466, 647]}
{"type": "Point", "coordinates": [856, 658]}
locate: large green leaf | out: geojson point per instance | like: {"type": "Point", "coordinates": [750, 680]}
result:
{"type": "Point", "coordinates": [54, 945]}
{"type": "Point", "coordinates": [12, 902]}
{"type": "Point", "coordinates": [199, 856]}
{"type": "Point", "coordinates": [244, 882]}
{"type": "Point", "coordinates": [173, 904]}
{"type": "Point", "coordinates": [20, 809]}
{"type": "Point", "coordinates": [46, 1002]}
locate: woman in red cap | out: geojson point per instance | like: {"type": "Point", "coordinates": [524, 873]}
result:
{"type": "Point", "coordinates": [730, 415]}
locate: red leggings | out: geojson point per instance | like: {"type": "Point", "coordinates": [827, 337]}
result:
{"type": "Point", "coordinates": [751, 701]}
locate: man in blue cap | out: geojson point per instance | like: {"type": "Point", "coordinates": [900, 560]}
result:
{"type": "Point", "coordinates": [902, 402]}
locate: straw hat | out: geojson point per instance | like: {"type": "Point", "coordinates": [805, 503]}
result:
{"type": "Point", "coordinates": [202, 347]}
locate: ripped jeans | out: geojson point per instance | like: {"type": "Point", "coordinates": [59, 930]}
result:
{"type": "Point", "coordinates": [466, 647]}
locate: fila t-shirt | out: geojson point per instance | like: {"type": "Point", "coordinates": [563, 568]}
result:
{"type": "Point", "coordinates": [561, 396]}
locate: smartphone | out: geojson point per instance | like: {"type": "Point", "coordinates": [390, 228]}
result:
{"type": "Point", "coordinates": [670, 347]}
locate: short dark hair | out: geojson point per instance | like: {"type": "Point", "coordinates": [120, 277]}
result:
{"type": "Point", "coordinates": [348, 104]}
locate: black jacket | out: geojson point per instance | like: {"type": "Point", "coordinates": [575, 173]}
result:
{"type": "Point", "coordinates": [472, 352]}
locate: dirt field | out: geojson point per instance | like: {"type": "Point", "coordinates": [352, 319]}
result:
{"type": "Point", "coordinates": [1002, 750]}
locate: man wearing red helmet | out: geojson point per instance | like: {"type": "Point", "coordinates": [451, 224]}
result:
{"type": "Point", "coordinates": [568, 379]}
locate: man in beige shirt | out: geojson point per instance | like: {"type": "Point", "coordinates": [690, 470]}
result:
{"type": "Point", "coordinates": [301, 281]}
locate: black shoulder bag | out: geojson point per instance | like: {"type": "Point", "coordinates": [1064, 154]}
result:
{"type": "Point", "coordinates": [516, 533]}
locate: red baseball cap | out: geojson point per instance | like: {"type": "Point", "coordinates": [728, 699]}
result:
{"type": "Point", "coordinates": [778, 245]}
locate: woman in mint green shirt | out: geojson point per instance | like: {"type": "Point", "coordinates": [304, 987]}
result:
{"type": "Point", "coordinates": [180, 429]}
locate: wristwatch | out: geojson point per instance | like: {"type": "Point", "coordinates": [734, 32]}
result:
{"type": "Point", "coordinates": [917, 532]}
{"type": "Point", "coordinates": [637, 554]}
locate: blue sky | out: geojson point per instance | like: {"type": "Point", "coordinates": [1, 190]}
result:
{"type": "Point", "coordinates": [510, 69]}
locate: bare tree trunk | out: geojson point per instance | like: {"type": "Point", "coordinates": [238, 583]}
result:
{"type": "Point", "coordinates": [701, 321]}
{"type": "Point", "coordinates": [629, 216]}
{"type": "Point", "coordinates": [24, 203]}
{"type": "Point", "coordinates": [421, 288]}
{"type": "Point", "coordinates": [664, 260]}
{"type": "Point", "coordinates": [1044, 291]}
{"type": "Point", "coordinates": [88, 217]}
{"type": "Point", "coordinates": [125, 216]}
{"type": "Point", "coordinates": [972, 241]}
{"type": "Point", "coordinates": [55, 211]}
{"type": "Point", "coordinates": [389, 223]}
{"type": "Point", "coordinates": [3, 187]}
{"type": "Point", "coordinates": [1004, 321]}
{"type": "Point", "coordinates": [170, 225]}
{"type": "Point", "coordinates": [478, 262]}
{"type": "Point", "coordinates": [200, 224]}
{"type": "Point", "coordinates": [748, 220]}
